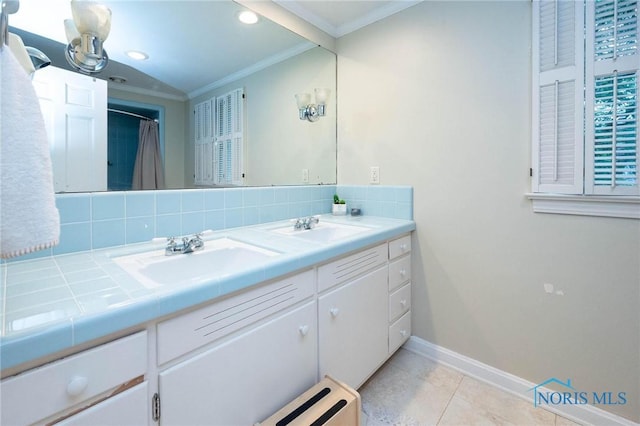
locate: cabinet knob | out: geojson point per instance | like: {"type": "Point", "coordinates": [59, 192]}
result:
{"type": "Point", "coordinates": [403, 273]}
{"type": "Point", "coordinates": [404, 333]}
{"type": "Point", "coordinates": [77, 385]}
{"type": "Point", "coordinates": [334, 312]}
{"type": "Point", "coordinates": [403, 247]}
{"type": "Point", "coordinates": [303, 329]}
{"type": "Point", "coordinates": [403, 303]}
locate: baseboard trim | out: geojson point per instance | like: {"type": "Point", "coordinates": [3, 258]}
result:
{"type": "Point", "coordinates": [584, 414]}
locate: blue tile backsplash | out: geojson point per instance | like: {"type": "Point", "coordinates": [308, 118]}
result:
{"type": "Point", "coordinates": [105, 219]}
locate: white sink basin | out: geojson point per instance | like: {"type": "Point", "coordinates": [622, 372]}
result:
{"type": "Point", "coordinates": [219, 257]}
{"type": "Point", "coordinates": [323, 232]}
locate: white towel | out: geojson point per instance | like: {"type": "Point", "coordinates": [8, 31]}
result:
{"type": "Point", "coordinates": [20, 52]}
{"type": "Point", "coordinates": [29, 219]}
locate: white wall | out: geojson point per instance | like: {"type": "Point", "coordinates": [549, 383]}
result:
{"type": "Point", "coordinates": [438, 96]}
{"type": "Point", "coordinates": [278, 145]}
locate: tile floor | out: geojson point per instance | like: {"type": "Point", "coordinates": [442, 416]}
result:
{"type": "Point", "coordinates": [413, 390]}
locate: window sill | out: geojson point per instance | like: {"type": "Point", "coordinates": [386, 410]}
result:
{"type": "Point", "coordinates": [586, 205]}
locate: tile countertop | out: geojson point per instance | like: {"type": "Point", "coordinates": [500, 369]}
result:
{"type": "Point", "coordinates": [51, 304]}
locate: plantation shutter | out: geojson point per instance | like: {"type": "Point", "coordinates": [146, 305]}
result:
{"type": "Point", "coordinates": [557, 158]}
{"type": "Point", "coordinates": [204, 140]}
{"type": "Point", "coordinates": [218, 165]}
{"type": "Point", "coordinates": [228, 162]}
{"type": "Point", "coordinates": [237, 123]}
{"type": "Point", "coordinates": [612, 62]}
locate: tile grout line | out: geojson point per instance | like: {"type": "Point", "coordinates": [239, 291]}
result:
{"type": "Point", "coordinates": [446, 407]}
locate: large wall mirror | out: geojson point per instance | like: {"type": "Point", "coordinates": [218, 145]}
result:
{"type": "Point", "coordinates": [206, 53]}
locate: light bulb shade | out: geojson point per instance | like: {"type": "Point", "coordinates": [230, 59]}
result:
{"type": "Point", "coordinates": [20, 52]}
{"type": "Point", "coordinates": [322, 96]}
{"type": "Point", "coordinates": [91, 17]}
{"type": "Point", "coordinates": [70, 30]}
{"type": "Point", "coordinates": [86, 33]}
{"type": "Point", "coordinates": [303, 99]}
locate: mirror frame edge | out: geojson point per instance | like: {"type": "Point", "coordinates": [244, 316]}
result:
{"type": "Point", "coordinates": [290, 21]}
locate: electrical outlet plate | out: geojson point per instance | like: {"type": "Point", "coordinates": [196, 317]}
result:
{"type": "Point", "coordinates": [374, 174]}
{"type": "Point", "coordinates": [305, 175]}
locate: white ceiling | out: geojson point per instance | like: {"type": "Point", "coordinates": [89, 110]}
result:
{"type": "Point", "coordinates": [193, 45]}
{"type": "Point", "coordinates": [340, 17]}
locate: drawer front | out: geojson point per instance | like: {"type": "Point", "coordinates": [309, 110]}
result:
{"type": "Point", "coordinates": [399, 302]}
{"type": "Point", "coordinates": [129, 408]}
{"type": "Point", "coordinates": [399, 332]}
{"type": "Point", "coordinates": [399, 246]}
{"type": "Point", "coordinates": [399, 272]}
{"type": "Point", "coordinates": [47, 390]}
{"type": "Point", "coordinates": [350, 267]}
{"type": "Point", "coordinates": [180, 335]}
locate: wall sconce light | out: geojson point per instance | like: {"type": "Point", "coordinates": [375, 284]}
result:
{"type": "Point", "coordinates": [309, 111]}
{"type": "Point", "coordinates": [86, 32]}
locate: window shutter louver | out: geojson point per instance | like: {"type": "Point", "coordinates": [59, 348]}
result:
{"type": "Point", "coordinates": [203, 134]}
{"type": "Point", "coordinates": [229, 138]}
{"type": "Point", "coordinates": [557, 92]}
{"type": "Point", "coordinates": [197, 117]}
{"type": "Point", "coordinates": [237, 141]}
{"type": "Point", "coordinates": [218, 154]}
{"type": "Point", "coordinates": [611, 148]}
{"type": "Point", "coordinates": [557, 134]}
{"type": "Point", "coordinates": [557, 44]}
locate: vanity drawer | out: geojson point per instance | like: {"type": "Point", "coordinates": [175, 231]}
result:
{"type": "Point", "coordinates": [399, 272]}
{"type": "Point", "coordinates": [399, 246]}
{"type": "Point", "coordinates": [350, 267]}
{"type": "Point", "coordinates": [128, 408]}
{"type": "Point", "coordinates": [399, 332]}
{"type": "Point", "coordinates": [36, 394]}
{"type": "Point", "coordinates": [180, 335]}
{"type": "Point", "coordinates": [399, 302]}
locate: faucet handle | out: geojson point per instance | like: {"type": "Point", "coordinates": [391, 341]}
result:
{"type": "Point", "coordinates": [310, 221]}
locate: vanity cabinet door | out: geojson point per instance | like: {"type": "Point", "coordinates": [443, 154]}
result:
{"type": "Point", "coordinates": [245, 379]}
{"type": "Point", "coordinates": [353, 328]}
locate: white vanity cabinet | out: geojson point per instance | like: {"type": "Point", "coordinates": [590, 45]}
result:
{"type": "Point", "coordinates": [352, 315]}
{"type": "Point", "coordinates": [105, 383]}
{"type": "Point", "coordinates": [353, 328]}
{"type": "Point", "coordinates": [399, 292]}
{"type": "Point", "coordinates": [250, 373]}
{"type": "Point", "coordinates": [236, 360]}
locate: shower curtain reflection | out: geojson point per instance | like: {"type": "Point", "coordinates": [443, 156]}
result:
{"type": "Point", "coordinates": [147, 171]}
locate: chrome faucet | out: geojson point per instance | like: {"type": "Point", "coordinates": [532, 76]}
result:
{"type": "Point", "coordinates": [188, 245]}
{"type": "Point", "coordinates": [306, 222]}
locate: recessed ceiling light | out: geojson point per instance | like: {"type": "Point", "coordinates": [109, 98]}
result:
{"type": "Point", "coordinates": [138, 56]}
{"type": "Point", "coordinates": [248, 17]}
